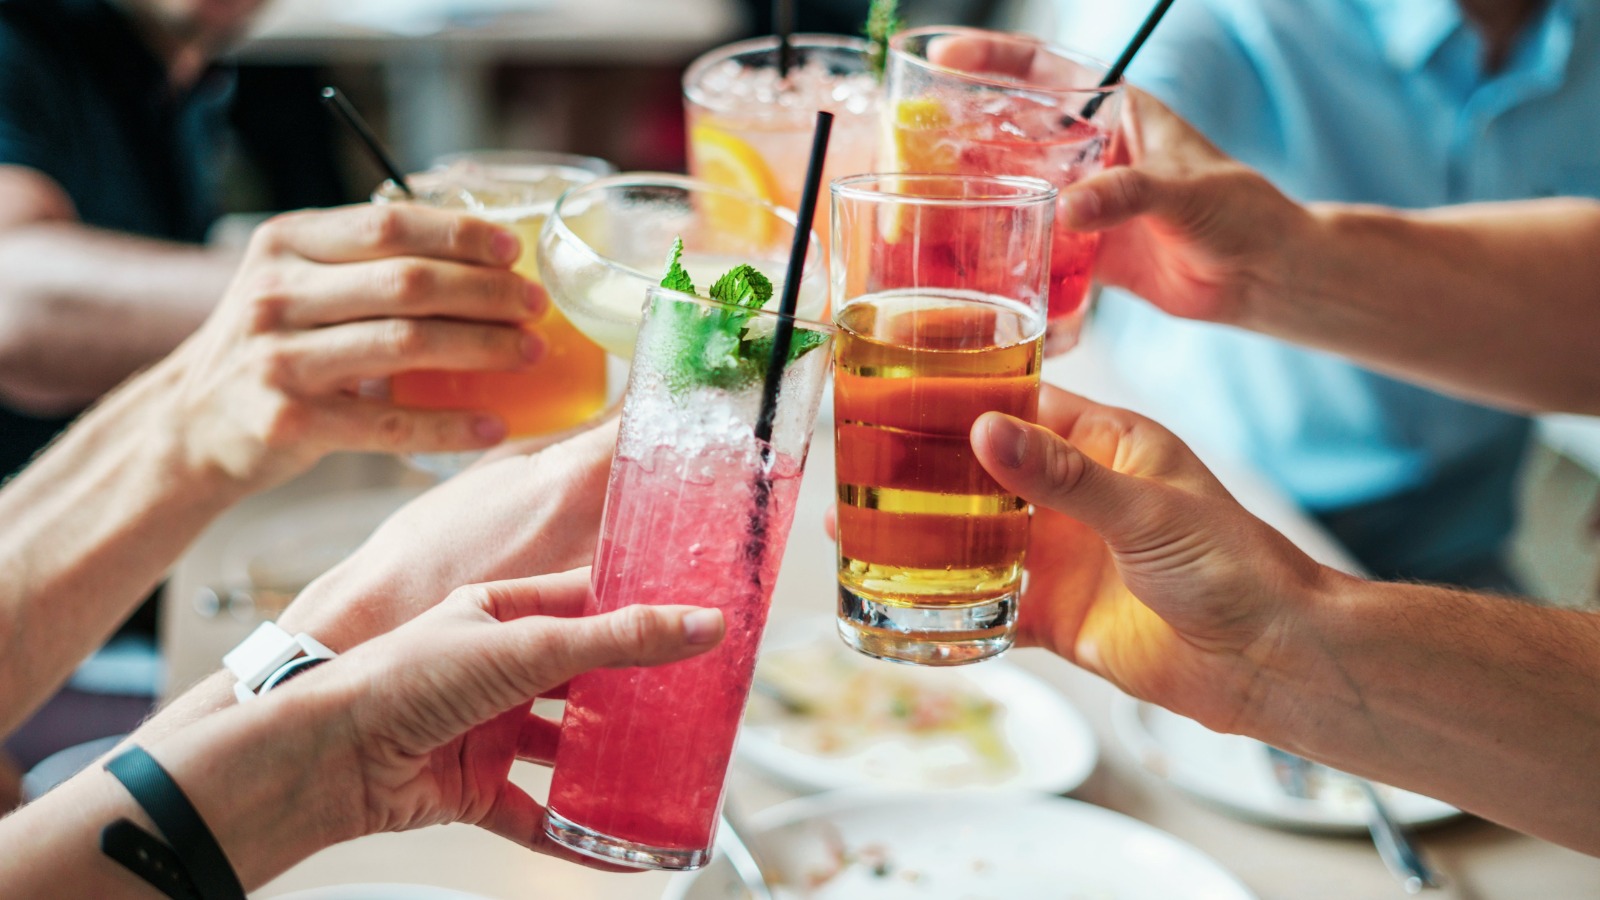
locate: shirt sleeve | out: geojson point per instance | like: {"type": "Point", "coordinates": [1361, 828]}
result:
{"type": "Point", "coordinates": [29, 126]}
{"type": "Point", "coordinates": [1198, 64]}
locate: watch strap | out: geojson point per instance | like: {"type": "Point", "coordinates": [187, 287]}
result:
{"type": "Point", "coordinates": [179, 822]}
{"type": "Point", "coordinates": [141, 853]}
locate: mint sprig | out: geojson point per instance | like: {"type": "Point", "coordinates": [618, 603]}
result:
{"type": "Point", "coordinates": [713, 346]}
{"type": "Point", "coordinates": [883, 21]}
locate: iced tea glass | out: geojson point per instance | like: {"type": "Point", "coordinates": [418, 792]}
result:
{"type": "Point", "coordinates": [975, 102]}
{"type": "Point", "coordinates": [939, 291]}
{"type": "Point", "coordinates": [567, 386]}
{"type": "Point", "coordinates": [697, 512]}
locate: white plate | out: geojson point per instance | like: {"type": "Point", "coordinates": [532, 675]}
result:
{"type": "Point", "coordinates": [972, 846]}
{"type": "Point", "coordinates": [380, 892]}
{"type": "Point", "coordinates": [1233, 773]}
{"type": "Point", "coordinates": [1050, 745]}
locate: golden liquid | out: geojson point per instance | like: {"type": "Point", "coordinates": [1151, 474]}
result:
{"type": "Point", "coordinates": [564, 389]}
{"type": "Point", "coordinates": [920, 522]}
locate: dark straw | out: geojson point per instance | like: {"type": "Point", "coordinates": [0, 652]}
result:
{"type": "Point", "coordinates": [783, 337]}
{"type": "Point", "coordinates": [341, 107]}
{"type": "Point", "coordinates": [1114, 75]}
{"type": "Point", "coordinates": [783, 24]}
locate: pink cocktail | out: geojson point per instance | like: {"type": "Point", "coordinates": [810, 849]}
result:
{"type": "Point", "coordinates": [698, 510]}
{"type": "Point", "coordinates": [1022, 112]}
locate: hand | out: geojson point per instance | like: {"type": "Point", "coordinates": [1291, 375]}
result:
{"type": "Point", "coordinates": [1141, 567]}
{"type": "Point", "coordinates": [511, 518]}
{"type": "Point", "coordinates": [429, 718]}
{"type": "Point", "coordinates": [326, 300]}
{"type": "Point", "coordinates": [1184, 226]}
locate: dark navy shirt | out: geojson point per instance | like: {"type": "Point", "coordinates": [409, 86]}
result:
{"type": "Point", "coordinates": [85, 101]}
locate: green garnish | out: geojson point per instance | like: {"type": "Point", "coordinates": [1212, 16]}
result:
{"type": "Point", "coordinates": [882, 23]}
{"type": "Point", "coordinates": [714, 346]}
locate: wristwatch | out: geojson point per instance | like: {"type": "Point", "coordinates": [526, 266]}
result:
{"type": "Point", "coordinates": [269, 657]}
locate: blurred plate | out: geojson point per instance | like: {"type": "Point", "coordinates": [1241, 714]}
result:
{"type": "Point", "coordinates": [380, 892]}
{"type": "Point", "coordinates": [968, 845]}
{"type": "Point", "coordinates": [1233, 773]}
{"type": "Point", "coordinates": [882, 725]}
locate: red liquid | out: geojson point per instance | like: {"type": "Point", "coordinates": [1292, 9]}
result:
{"type": "Point", "coordinates": [644, 751]}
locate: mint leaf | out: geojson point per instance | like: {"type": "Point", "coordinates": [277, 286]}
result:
{"type": "Point", "coordinates": [759, 350]}
{"type": "Point", "coordinates": [676, 278]}
{"type": "Point", "coordinates": [882, 23]}
{"type": "Point", "coordinates": [743, 286]}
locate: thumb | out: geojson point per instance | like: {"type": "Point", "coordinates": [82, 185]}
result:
{"type": "Point", "coordinates": [1118, 194]}
{"type": "Point", "coordinates": [552, 651]}
{"type": "Point", "coordinates": [1045, 470]}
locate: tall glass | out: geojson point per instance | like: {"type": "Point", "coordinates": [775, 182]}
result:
{"type": "Point", "coordinates": [697, 512]}
{"type": "Point", "coordinates": [939, 286]}
{"type": "Point", "coordinates": [1020, 113]}
{"type": "Point", "coordinates": [607, 242]}
{"type": "Point", "coordinates": [567, 386]}
{"type": "Point", "coordinates": [749, 129]}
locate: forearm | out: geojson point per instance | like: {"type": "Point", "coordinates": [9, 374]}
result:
{"type": "Point", "coordinates": [1498, 302]}
{"type": "Point", "coordinates": [81, 309]}
{"type": "Point", "coordinates": [1484, 702]}
{"type": "Point", "coordinates": [256, 776]}
{"type": "Point", "coordinates": [87, 531]}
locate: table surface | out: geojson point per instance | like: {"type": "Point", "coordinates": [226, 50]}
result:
{"type": "Point", "coordinates": [1482, 861]}
{"type": "Point", "coordinates": [558, 31]}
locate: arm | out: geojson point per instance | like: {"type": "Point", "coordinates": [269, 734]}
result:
{"type": "Point", "coordinates": [261, 392]}
{"type": "Point", "coordinates": [415, 729]}
{"type": "Point", "coordinates": [1144, 570]}
{"type": "Point", "coordinates": [1493, 301]}
{"type": "Point", "coordinates": [81, 308]}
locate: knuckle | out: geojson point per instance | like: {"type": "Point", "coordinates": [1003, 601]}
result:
{"type": "Point", "coordinates": [410, 280]}
{"type": "Point", "coordinates": [636, 631]}
{"type": "Point", "coordinates": [277, 365]}
{"type": "Point", "coordinates": [394, 429]}
{"type": "Point", "coordinates": [383, 227]}
{"type": "Point", "coordinates": [1130, 189]}
{"type": "Point", "coordinates": [404, 338]}
{"type": "Point", "coordinates": [287, 422]}
{"type": "Point", "coordinates": [271, 237]}
{"type": "Point", "coordinates": [472, 596]}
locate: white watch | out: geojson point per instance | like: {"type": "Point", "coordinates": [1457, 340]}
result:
{"type": "Point", "coordinates": [269, 657]}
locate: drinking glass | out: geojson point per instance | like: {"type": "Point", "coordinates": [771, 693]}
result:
{"type": "Point", "coordinates": [567, 386]}
{"type": "Point", "coordinates": [697, 512]}
{"type": "Point", "coordinates": [607, 241]}
{"type": "Point", "coordinates": [1021, 113]}
{"type": "Point", "coordinates": [939, 286]}
{"type": "Point", "coordinates": [750, 129]}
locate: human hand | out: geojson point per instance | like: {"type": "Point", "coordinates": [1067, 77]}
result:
{"type": "Point", "coordinates": [325, 300]}
{"type": "Point", "coordinates": [427, 720]}
{"type": "Point", "coordinates": [1141, 567]}
{"type": "Point", "coordinates": [511, 518]}
{"type": "Point", "coordinates": [1183, 225]}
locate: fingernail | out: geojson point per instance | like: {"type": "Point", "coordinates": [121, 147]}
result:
{"type": "Point", "coordinates": [703, 626]}
{"type": "Point", "coordinates": [1083, 206]}
{"type": "Point", "coordinates": [505, 245]}
{"type": "Point", "coordinates": [532, 347]}
{"type": "Point", "coordinates": [1009, 440]}
{"type": "Point", "coordinates": [489, 428]}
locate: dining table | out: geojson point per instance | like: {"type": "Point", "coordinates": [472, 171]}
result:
{"type": "Point", "coordinates": [1480, 860]}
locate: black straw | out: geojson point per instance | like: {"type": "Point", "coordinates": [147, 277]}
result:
{"type": "Point", "coordinates": [1114, 75]}
{"type": "Point", "coordinates": [783, 337]}
{"type": "Point", "coordinates": [783, 24]}
{"type": "Point", "coordinates": [336, 101]}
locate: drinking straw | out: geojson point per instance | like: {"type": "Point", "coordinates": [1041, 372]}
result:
{"type": "Point", "coordinates": [1117, 68]}
{"type": "Point", "coordinates": [783, 23]}
{"type": "Point", "coordinates": [783, 337]}
{"type": "Point", "coordinates": [337, 102]}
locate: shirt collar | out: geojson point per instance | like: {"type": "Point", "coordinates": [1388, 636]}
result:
{"type": "Point", "coordinates": [1411, 31]}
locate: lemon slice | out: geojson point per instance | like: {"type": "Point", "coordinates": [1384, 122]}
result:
{"type": "Point", "coordinates": [920, 137]}
{"type": "Point", "coordinates": [725, 160]}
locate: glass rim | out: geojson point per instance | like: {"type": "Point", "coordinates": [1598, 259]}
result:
{"type": "Point", "coordinates": [390, 192]}
{"type": "Point", "coordinates": [511, 158]}
{"type": "Point", "coordinates": [1026, 190]}
{"type": "Point", "coordinates": [827, 328]}
{"type": "Point", "coordinates": [814, 40]}
{"type": "Point", "coordinates": [557, 223]}
{"type": "Point", "coordinates": [898, 42]}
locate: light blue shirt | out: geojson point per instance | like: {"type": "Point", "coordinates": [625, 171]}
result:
{"type": "Point", "coordinates": [1381, 101]}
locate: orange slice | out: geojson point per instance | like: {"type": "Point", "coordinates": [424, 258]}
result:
{"type": "Point", "coordinates": [723, 159]}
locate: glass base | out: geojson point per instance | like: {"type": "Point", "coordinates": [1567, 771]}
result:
{"type": "Point", "coordinates": [1061, 335]}
{"type": "Point", "coordinates": [616, 850]}
{"type": "Point", "coordinates": [928, 635]}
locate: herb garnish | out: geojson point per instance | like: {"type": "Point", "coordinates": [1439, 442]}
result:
{"type": "Point", "coordinates": [882, 23]}
{"type": "Point", "coordinates": [714, 345]}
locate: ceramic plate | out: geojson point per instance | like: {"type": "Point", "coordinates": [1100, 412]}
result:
{"type": "Point", "coordinates": [972, 846]}
{"type": "Point", "coordinates": [1234, 774]}
{"type": "Point", "coordinates": [881, 725]}
{"type": "Point", "coordinates": [380, 892]}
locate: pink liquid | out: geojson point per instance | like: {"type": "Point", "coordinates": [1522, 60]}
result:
{"type": "Point", "coordinates": [644, 751]}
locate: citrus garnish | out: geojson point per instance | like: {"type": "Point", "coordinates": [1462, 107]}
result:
{"type": "Point", "coordinates": [723, 159]}
{"type": "Point", "coordinates": [920, 136]}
